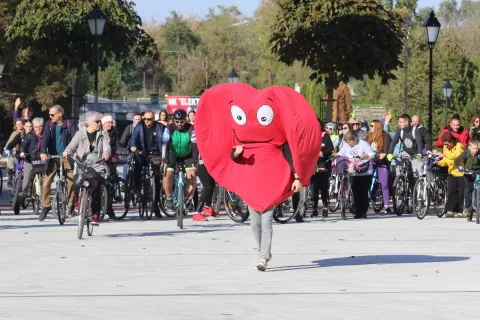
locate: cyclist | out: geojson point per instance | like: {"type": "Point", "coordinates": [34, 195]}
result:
{"type": "Point", "coordinates": [163, 117]}
{"type": "Point", "coordinates": [424, 134]}
{"type": "Point", "coordinates": [112, 133]}
{"type": "Point", "coordinates": [357, 148]}
{"type": "Point", "coordinates": [180, 145]}
{"type": "Point", "coordinates": [191, 117]}
{"type": "Point", "coordinates": [457, 131]}
{"type": "Point", "coordinates": [31, 147]}
{"type": "Point", "coordinates": [26, 112]}
{"type": "Point", "coordinates": [330, 129]}
{"type": "Point", "coordinates": [57, 135]}
{"type": "Point", "coordinates": [361, 134]}
{"type": "Point", "coordinates": [11, 162]}
{"type": "Point", "coordinates": [90, 143]}
{"type": "Point", "coordinates": [475, 128]}
{"type": "Point", "coordinates": [147, 137]}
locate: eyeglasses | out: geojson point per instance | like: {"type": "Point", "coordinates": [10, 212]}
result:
{"type": "Point", "coordinates": [98, 121]}
{"type": "Point", "coordinates": [148, 119]}
{"type": "Point", "coordinates": [345, 128]}
{"type": "Point", "coordinates": [179, 121]}
{"type": "Point", "coordinates": [52, 115]}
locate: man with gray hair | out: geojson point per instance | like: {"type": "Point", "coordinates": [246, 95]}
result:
{"type": "Point", "coordinates": [30, 150]}
{"type": "Point", "coordinates": [57, 135]}
{"type": "Point", "coordinates": [361, 134]}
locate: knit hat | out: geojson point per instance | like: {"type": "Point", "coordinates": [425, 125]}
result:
{"type": "Point", "coordinates": [107, 119]}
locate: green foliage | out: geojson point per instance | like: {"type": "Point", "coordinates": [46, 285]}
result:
{"type": "Point", "coordinates": [325, 36]}
{"type": "Point", "coordinates": [111, 84]}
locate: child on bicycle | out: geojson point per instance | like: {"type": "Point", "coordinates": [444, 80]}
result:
{"type": "Point", "coordinates": [455, 181]}
{"type": "Point", "coordinates": [471, 159]}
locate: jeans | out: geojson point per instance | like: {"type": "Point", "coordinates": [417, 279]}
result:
{"type": "Point", "coordinates": [262, 231]}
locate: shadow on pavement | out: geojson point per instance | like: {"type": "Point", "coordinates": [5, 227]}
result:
{"type": "Point", "coordinates": [373, 259]}
{"type": "Point", "coordinates": [157, 233]}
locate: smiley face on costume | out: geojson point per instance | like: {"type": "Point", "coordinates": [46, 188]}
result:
{"type": "Point", "coordinates": [255, 122]}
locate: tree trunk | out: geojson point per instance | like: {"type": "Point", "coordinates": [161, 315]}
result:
{"type": "Point", "coordinates": [79, 97]}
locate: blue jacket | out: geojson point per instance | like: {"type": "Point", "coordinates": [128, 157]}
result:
{"type": "Point", "coordinates": [47, 144]}
{"type": "Point", "coordinates": [138, 137]}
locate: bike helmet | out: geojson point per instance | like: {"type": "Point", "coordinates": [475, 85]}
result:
{"type": "Point", "coordinates": [180, 114]}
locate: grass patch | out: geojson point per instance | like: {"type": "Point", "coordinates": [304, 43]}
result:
{"type": "Point", "coordinates": [368, 106]}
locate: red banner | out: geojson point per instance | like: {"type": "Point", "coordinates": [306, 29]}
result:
{"type": "Point", "coordinates": [186, 103]}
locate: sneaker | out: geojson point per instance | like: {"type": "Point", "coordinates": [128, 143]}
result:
{"type": "Point", "coordinates": [325, 213]}
{"type": "Point", "coordinates": [199, 217]}
{"type": "Point", "coordinates": [190, 206]}
{"type": "Point", "coordinates": [262, 265]}
{"type": "Point", "coordinates": [208, 211]}
{"type": "Point", "coordinates": [44, 213]}
{"type": "Point", "coordinates": [314, 214]}
{"type": "Point", "coordinates": [450, 214]}
{"type": "Point", "coordinates": [462, 215]}
{"type": "Point", "coordinates": [169, 204]}
{"type": "Point", "coordinates": [95, 220]}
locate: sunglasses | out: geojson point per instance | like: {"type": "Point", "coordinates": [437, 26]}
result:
{"type": "Point", "coordinates": [51, 115]}
{"type": "Point", "coordinates": [148, 119]}
{"type": "Point", "coordinates": [355, 124]}
{"type": "Point", "coordinates": [345, 128]}
{"type": "Point", "coordinates": [98, 121]}
{"type": "Point", "coordinates": [179, 121]}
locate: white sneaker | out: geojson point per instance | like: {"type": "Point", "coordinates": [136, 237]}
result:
{"type": "Point", "coordinates": [262, 265]}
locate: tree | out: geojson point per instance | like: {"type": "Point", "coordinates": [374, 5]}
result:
{"type": "Point", "coordinates": [325, 36]}
{"type": "Point", "coordinates": [57, 33]}
{"type": "Point", "coordinates": [448, 13]}
{"type": "Point", "coordinates": [111, 84]}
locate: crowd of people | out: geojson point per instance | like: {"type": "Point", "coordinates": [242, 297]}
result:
{"type": "Point", "coordinates": [170, 139]}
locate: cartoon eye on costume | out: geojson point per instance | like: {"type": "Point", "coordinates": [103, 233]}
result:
{"type": "Point", "coordinates": [265, 115]}
{"type": "Point", "coordinates": [238, 115]}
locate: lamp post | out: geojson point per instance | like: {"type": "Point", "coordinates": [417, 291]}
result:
{"type": "Point", "coordinates": [2, 66]}
{"type": "Point", "coordinates": [432, 29]}
{"type": "Point", "coordinates": [408, 26]}
{"type": "Point", "coordinates": [233, 76]}
{"type": "Point", "coordinates": [447, 93]}
{"type": "Point", "coordinates": [96, 21]}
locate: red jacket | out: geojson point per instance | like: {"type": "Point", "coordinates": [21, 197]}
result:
{"type": "Point", "coordinates": [462, 136]}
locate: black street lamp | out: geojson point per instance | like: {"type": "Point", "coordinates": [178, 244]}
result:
{"type": "Point", "coordinates": [233, 76]}
{"type": "Point", "coordinates": [432, 29]}
{"type": "Point", "coordinates": [447, 93]}
{"type": "Point", "coordinates": [96, 21]}
{"type": "Point", "coordinates": [2, 66]}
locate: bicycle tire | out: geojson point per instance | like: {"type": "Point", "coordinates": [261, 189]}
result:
{"type": "Point", "coordinates": [440, 199]}
{"type": "Point", "coordinates": [180, 207]}
{"type": "Point", "coordinates": [82, 213]}
{"type": "Point", "coordinates": [17, 199]}
{"type": "Point", "coordinates": [477, 192]}
{"type": "Point", "coordinates": [151, 198]}
{"type": "Point", "coordinates": [279, 214]}
{"type": "Point", "coordinates": [36, 194]}
{"type": "Point", "coordinates": [420, 201]}
{"type": "Point", "coordinates": [399, 195]}
{"type": "Point", "coordinates": [218, 192]}
{"type": "Point", "coordinates": [332, 207]}
{"type": "Point", "coordinates": [235, 207]}
{"type": "Point", "coordinates": [378, 199]}
{"type": "Point", "coordinates": [343, 196]}
{"type": "Point", "coordinates": [89, 215]}
{"type": "Point", "coordinates": [141, 202]}
{"type": "Point", "coordinates": [1, 181]}
{"type": "Point", "coordinates": [119, 186]}
{"type": "Point", "coordinates": [60, 205]}
{"type": "Point", "coordinates": [103, 201]}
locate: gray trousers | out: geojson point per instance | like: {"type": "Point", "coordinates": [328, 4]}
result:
{"type": "Point", "coordinates": [27, 177]}
{"type": "Point", "coordinates": [262, 230]}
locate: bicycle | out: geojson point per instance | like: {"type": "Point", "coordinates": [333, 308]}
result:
{"type": "Point", "coordinates": [427, 194]}
{"type": "Point", "coordinates": [345, 193]}
{"type": "Point", "coordinates": [146, 201]}
{"type": "Point", "coordinates": [285, 212]}
{"type": "Point", "coordinates": [17, 186]}
{"type": "Point", "coordinates": [35, 195]}
{"type": "Point", "coordinates": [130, 198]}
{"type": "Point", "coordinates": [402, 185]}
{"type": "Point", "coordinates": [61, 192]}
{"type": "Point", "coordinates": [236, 209]}
{"type": "Point", "coordinates": [375, 192]}
{"type": "Point", "coordinates": [475, 196]}
{"type": "Point", "coordinates": [112, 193]}
{"type": "Point", "coordinates": [86, 187]}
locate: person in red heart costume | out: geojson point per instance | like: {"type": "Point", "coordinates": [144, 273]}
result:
{"type": "Point", "coordinates": [261, 144]}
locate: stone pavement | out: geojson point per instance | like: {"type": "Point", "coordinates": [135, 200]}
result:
{"type": "Point", "coordinates": [384, 267]}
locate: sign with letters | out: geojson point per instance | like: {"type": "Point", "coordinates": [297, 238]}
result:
{"type": "Point", "coordinates": [186, 103]}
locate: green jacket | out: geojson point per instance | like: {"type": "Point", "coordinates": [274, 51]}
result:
{"type": "Point", "coordinates": [471, 162]}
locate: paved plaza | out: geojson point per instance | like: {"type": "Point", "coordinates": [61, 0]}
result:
{"type": "Point", "coordinates": [380, 268]}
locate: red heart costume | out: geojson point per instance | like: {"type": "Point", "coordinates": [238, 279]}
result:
{"type": "Point", "coordinates": [262, 121]}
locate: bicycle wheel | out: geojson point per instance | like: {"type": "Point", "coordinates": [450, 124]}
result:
{"type": "Point", "coordinates": [82, 212]}
{"type": "Point", "coordinates": [103, 201]}
{"type": "Point", "coordinates": [399, 195]}
{"type": "Point", "coordinates": [180, 207]}
{"type": "Point", "coordinates": [1, 180]}
{"type": "Point", "coordinates": [151, 198]}
{"type": "Point", "coordinates": [60, 204]}
{"type": "Point", "coordinates": [36, 194]}
{"type": "Point", "coordinates": [377, 200]}
{"type": "Point", "coordinates": [17, 197]}
{"type": "Point", "coordinates": [142, 200]}
{"type": "Point", "coordinates": [420, 199]}
{"type": "Point", "coordinates": [284, 212]}
{"type": "Point", "coordinates": [89, 215]}
{"type": "Point", "coordinates": [477, 204]}
{"type": "Point", "coordinates": [236, 209]}
{"type": "Point", "coordinates": [217, 198]}
{"type": "Point", "coordinates": [333, 200]}
{"type": "Point", "coordinates": [439, 197]}
{"type": "Point", "coordinates": [344, 195]}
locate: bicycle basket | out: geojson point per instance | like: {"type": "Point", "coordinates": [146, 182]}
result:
{"type": "Point", "coordinates": [439, 171]}
{"type": "Point", "coordinates": [39, 166]}
{"type": "Point", "coordinates": [89, 175]}
{"type": "Point", "coordinates": [342, 164]}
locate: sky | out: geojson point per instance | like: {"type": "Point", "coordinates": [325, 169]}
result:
{"type": "Point", "coordinates": [160, 9]}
